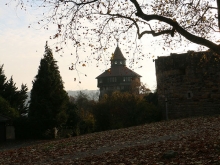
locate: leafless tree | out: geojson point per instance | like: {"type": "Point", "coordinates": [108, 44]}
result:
{"type": "Point", "coordinates": [100, 22]}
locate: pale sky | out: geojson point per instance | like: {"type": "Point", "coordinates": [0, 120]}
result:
{"type": "Point", "coordinates": [21, 49]}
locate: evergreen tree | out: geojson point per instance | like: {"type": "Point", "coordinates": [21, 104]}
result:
{"type": "Point", "coordinates": [2, 80]}
{"type": "Point", "coordinates": [48, 98]}
{"type": "Point", "coordinates": [22, 97]}
{"type": "Point", "coordinates": [6, 109]}
{"type": "Point", "coordinates": [9, 92]}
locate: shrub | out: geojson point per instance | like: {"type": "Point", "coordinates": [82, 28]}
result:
{"type": "Point", "coordinates": [26, 128]}
{"type": "Point", "coordinates": [121, 110]}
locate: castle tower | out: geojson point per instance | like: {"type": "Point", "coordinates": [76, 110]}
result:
{"type": "Point", "coordinates": [118, 77]}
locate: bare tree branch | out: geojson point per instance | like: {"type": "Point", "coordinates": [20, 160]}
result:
{"type": "Point", "coordinates": [140, 34]}
{"type": "Point", "coordinates": [193, 20]}
{"type": "Point", "coordinates": [177, 27]}
{"type": "Point", "coordinates": [79, 4]}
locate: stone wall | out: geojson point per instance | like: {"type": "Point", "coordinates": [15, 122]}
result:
{"type": "Point", "coordinates": [188, 84]}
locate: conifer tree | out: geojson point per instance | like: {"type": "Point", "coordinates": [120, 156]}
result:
{"type": "Point", "coordinates": [9, 92]}
{"type": "Point", "coordinates": [2, 80]}
{"type": "Point", "coordinates": [48, 98]}
{"type": "Point", "coordinates": [22, 97]}
{"type": "Point", "coordinates": [6, 109]}
{"type": "Point", "coordinates": [16, 98]}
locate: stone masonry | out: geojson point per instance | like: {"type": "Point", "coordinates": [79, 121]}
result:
{"type": "Point", "coordinates": [188, 84]}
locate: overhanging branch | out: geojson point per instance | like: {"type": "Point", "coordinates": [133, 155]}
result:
{"type": "Point", "coordinates": [140, 34]}
{"type": "Point", "coordinates": [177, 27]}
{"type": "Point", "coordinates": [78, 4]}
{"type": "Point", "coordinates": [156, 34]}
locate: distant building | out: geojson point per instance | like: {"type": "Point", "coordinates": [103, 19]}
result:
{"type": "Point", "coordinates": [188, 84]}
{"type": "Point", "coordinates": [118, 77]}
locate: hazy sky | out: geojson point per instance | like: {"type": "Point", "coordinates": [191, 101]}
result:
{"type": "Point", "coordinates": [21, 49]}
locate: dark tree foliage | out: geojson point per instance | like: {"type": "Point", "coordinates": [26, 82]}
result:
{"type": "Point", "coordinates": [48, 98]}
{"type": "Point", "coordinates": [22, 107]}
{"type": "Point", "coordinates": [2, 80]}
{"type": "Point", "coordinates": [15, 98]}
{"type": "Point", "coordinates": [121, 110]}
{"type": "Point", "coordinates": [10, 91]}
{"type": "Point", "coordinates": [152, 98]}
{"type": "Point", "coordinates": [82, 100]}
{"type": "Point", "coordinates": [73, 118]}
{"type": "Point", "coordinates": [81, 114]}
{"type": "Point", "coordinates": [5, 109]}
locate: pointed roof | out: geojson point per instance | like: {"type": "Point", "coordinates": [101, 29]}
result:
{"type": "Point", "coordinates": [118, 54]}
{"type": "Point", "coordinates": [119, 71]}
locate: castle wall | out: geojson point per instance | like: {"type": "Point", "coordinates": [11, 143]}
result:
{"type": "Point", "coordinates": [188, 84]}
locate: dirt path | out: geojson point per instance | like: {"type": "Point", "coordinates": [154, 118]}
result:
{"type": "Point", "coordinates": [16, 144]}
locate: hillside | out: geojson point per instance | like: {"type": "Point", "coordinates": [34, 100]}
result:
{"type": "Point", "coordinates": [93, 94]}
{"type": "Point", "coordinates": [186, 141]}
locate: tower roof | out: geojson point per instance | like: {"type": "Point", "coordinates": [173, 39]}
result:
{"type": "Point", "coordinates": [119, 71]}
{"type": "Point", "coordinates": [118, 55]}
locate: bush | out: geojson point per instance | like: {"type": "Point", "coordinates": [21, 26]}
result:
{"type": "Point", "coordinates": [147, 112]}
{"type": "Point", "coordinates": [101, 112]}
{"type": "Point", "coordinates": [80, 117]}
{"type": "Point", "coordinates": [152, 98]}
{"type": "Point", "coordinates": [122, 110]}
{"type": "Point", "coordinates": [26, 128]}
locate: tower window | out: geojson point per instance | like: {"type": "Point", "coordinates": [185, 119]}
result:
{"type": "Point", "coordinates": [127, 79]}
{"type": "Point", "coordinates": [112, 79]}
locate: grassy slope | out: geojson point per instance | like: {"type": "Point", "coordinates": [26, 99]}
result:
{"type": "Point", "coordinates": [192, 141]}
